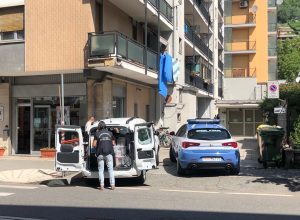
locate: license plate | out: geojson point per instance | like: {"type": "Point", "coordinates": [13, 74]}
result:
{"type": "Point", "coordinates": [211, 159]}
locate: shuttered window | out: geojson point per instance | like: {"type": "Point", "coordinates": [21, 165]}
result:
{"type": "Point", "coordinates": [11, 19]}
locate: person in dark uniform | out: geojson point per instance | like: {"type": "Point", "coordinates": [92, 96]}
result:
{"type": "Point", "coordinates": [104, 142]}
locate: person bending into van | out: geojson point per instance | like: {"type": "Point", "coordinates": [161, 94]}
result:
{"type": "Point", "coordinates": [104, 141]}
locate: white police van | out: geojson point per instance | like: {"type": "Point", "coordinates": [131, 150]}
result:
{"type": "Point", "coordinates": [136, 149]}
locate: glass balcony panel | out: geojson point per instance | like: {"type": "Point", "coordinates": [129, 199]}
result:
{"type": "Point", "coordinates": [102, 45]}
{"type": "Point", "coordinates": [121, 46]}
{"type": "Point", "coordinates": [271, 3]}
{"type": "Point", "coordinates": [151, 60]}
{"type": "Point", "coordinates": [240, 72]}
{"type": "Point", "coordinates": [153, 2]}
{"type": "Point", "coordinates": [135, 52]}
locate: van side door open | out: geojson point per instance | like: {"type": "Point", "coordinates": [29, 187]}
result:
{"type": "Point", "coordinates": [144, 146]}
{"type": "Point", "coordinates": [69, 148]}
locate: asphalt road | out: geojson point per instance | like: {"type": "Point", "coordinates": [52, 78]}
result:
{"type": "Point", "coordinates": [254, 194]}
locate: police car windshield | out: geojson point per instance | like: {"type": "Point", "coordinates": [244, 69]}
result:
{"type": "Point", "coordinates": [208, 134]}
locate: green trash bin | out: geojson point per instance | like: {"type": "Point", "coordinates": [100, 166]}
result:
{"type": "Point", "coordinates": [270, 144]}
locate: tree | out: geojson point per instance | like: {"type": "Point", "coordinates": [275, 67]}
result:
{"type": "Point", "coordinates": [289, 10]}
{"type": "Point", "coordinates": [288, 59]}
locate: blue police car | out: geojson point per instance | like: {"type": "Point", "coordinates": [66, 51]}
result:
{"type": "Point", "coordinates": [204, 144]}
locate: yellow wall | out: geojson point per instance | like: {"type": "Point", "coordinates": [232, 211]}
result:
{"type": "Point", "coordinates": [56, 33]}
{"type": "Point", "coordinates": [257, 37]}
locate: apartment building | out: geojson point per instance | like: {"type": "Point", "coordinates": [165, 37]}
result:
{"type": "Point", "coordinates": [106, 52]}
{"type": "Point", "coordinates": [250, 62]}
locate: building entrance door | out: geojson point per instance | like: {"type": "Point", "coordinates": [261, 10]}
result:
{"type": "Point", "coordinates": [41, 127]}
{"type": "Point", "coordinates": [23, 128]}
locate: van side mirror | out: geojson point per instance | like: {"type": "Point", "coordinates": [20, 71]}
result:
{"type": "Point", "coordinates": [156, 133]}
{"type": "Point", "coordinates": [172, 133]}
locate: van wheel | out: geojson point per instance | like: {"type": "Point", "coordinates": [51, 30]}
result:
{"type": "Point", "coordinates": [142, 178]}
{"type": "Point", "coordinates": [172, 155]}
{"type": "Point", "coordinates": [180, 170]}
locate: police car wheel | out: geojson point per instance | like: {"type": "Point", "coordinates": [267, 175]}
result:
{"type": "Point", "coordinates": [172, 155]}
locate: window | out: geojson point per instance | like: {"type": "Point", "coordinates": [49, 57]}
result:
{"type": "Point", "coordinates": [12, 35]}
{"type": "Point", "coordinates": [181, 132]}
{"type": "Point", "coordinates": [118, 105]}
{"type": "Point", "coordinates": [208, 134]}
{"type": "Point", "coordinates": [180, 46]}
{"type": "Point", "coordinates": [147, 112]}
{"type": "Point", "coordinates": [135, 110]}
{"type": "Point", "coordinates": [144, 136]}
{"type": "Point", "coordinates": [8, 35]}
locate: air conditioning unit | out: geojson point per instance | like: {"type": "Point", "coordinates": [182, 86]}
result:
{"type": "Point", "coordinates": [244, 3]}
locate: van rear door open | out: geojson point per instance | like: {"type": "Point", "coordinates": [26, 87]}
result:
{"type": "Point", "coordinates": [69, 148]}
{"type": "Point", "coordinates": [144, 146]}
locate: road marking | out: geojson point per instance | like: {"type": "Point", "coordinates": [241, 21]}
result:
{"type": "Point", "coordinates": [188, 191]}
{"type": "Point", "coordinates": [5, 194]}
{"type": "Point", "coordinates": [134, 188]}
{"type": "Point", "coordinates": [18, 187]}
{"type": "Point", "coordinates": [259, 194]}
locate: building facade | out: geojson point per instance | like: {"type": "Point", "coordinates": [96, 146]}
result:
{"type": "Point", "coordinates": [106, 53]}
{"type": "Point", "coordinates": [250, 62]}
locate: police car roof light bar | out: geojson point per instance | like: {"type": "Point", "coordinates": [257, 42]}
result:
{"type": "Point", "coordinates": [203, 121]}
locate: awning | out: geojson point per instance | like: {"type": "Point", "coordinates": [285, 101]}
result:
{"type": "Point", "coordinates": [238, 103]}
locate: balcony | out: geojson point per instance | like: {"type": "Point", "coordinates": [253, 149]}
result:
{"type": "Point", "coordinates": [240, 47]}
{"type": "Point", "coordinates": [198, 82]}
{"type": "Point", "coordinates": [271, 3]}
{"type": "Point", "coordinates": [136, 10]}
{"type": "Point", "coordinates": [240, 73]}
{"type": "Point", "coordinates": [220, 9]}
{"type": "Point", "coordinates": [113, 51]}
{"type": "Point", "coordinates": [164, 8]}
{"type": "Point", "coordinates": [220, 35]}
{"type": "Point", "coordinates": [201, 6]}
{"type": "Point", "coordinates": [220, 65]}
{"type": "Point", "coordinates": [220, 92]}
{"type": "Point", "coordinates": [240, 21]}
{"type": "Point", "coordinates": [198, 42]}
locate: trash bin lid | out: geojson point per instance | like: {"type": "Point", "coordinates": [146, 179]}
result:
{"type": "Point", "coordinates": [270, 130]}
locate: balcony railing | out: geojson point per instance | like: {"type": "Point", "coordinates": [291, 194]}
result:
{"type": "Point", "coordinates": [240, 46]}
{"type": "Point", "coordinates": [272, 52]}
{"type": "Point", "coordinates": [115, 44]}
{"type": "Point", "coordinates": [220, 92]}
{"type": "Point", "coordinates": [220, 8]}
{"type": "Point", "coordinates": [221, 38]}
{"type": "Point", "coordinates": [201, 5]}
{"type": "Point", "coordinates": [271, 3]}
{"type": "Point", "coordinates": [197, 81]}
{"type": "Point", "coordinates": [198, 42]}
{"type": "Point", "coordinates": [240, 19]}
{"type": "Point", "coordinates": [240, 73]}
{"type": "Point", "coordinates": [221, 65]}
{"type": "Point", "coordinates": [164, 8]}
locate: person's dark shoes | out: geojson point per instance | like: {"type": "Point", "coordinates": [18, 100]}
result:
{"type": "Point", "coordinates": [113, 188]}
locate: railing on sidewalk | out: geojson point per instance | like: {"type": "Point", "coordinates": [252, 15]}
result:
{"type": "Point", "coordinates": [240, 73]}
{"type": "Point", "coordinates": [115, 44]}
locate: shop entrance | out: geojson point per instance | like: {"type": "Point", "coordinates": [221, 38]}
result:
{"type": "Point", "coordinates": [41, 127]}
{"type": "Point", "coordinates": [23, 128]}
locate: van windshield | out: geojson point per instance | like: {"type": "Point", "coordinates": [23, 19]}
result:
{"type": "Point", "coordinates": [208, 134]}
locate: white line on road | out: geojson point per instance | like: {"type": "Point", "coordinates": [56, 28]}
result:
{"type": "Point", "coordinates": [259, 194]}
{"type": "Point", "coordinates": [18, 187]}
{"type": "Point", "coordinates": [5, 194]}
{"type": "Point", "coordinates": [16, 218]}
{"type": "Point", "coordinates": [188, 191]}
{"type": "Point", "coordinates": [134, 188]}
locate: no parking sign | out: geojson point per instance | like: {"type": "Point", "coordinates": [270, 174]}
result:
{"type": "Point", "coordinates": [273, 89]}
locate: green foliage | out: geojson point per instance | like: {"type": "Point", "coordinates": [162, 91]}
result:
{"type": "Point", "coordinates": [291, 93]}
{"type": "Point", "coordinates": [288, 59]}
{"type": "Point", "coordinates": [289, 10]}
{"type": "Point", "coordinates": [267, 106]}
{"type": "Point", "coordinates": [295, 25]}
{"type": "Point", "coordinates": [295, 136]}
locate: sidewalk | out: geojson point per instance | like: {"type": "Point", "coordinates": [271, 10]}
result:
{"type": "Point", "coordinates": [26, 169]}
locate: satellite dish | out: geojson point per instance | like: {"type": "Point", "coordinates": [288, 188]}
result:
{"type": "Point", "coordinates": [253, 9]}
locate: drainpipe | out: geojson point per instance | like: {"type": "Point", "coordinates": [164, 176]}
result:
{"type": "Point", "coordinates": [146, 37]}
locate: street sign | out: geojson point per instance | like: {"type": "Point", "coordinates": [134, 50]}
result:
{"type": "Point", "coordinates": [273, 90]}
{"type": "Point", "coordinates": [279, 110]}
